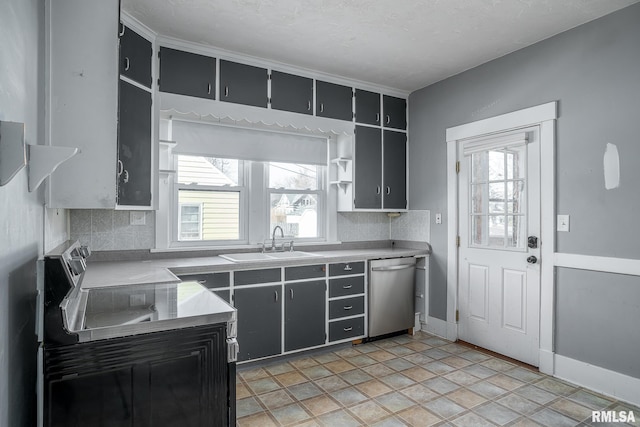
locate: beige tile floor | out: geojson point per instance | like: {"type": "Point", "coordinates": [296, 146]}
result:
{"type": "Point", "coordinates": [418, 380]}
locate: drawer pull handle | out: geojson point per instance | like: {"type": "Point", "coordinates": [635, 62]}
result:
{"type": "Point", "coordinates": [388, 119]}
{"type": "Point", "coordinates": [127, 63]}
{"type": "Point", "coordinates": [202, 281]}
{"type": "Point", "coordinates": [308, 105]}
{"type": "Point", "coordinates": [347, 268]}
{"type": "Point", "coordinates": [348, 307]}
{"type": "Point", "coordinates": [276, 295]}
{"type": "Point", "coordinates": [347, 286]}
{"type": "Point", "coordinates": [322, 107]}
{"type": "Point", "coordinates": [350, 328]}
{"type": "Point", "coordinates": [291, 291]}
{"type": "Point", "coordinates": [209, 89]}
{"type": "Point", "coordinates": [377, 117]}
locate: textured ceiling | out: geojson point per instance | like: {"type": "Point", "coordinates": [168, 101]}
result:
{"type": "Point", "coordinates": [400, 44]}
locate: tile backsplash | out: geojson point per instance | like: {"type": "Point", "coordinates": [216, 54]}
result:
{"type": "Point", "coordinates": [107, 230]}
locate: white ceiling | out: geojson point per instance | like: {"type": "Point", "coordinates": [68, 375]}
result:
{"type": "Point", "coordinates": [400, 44]}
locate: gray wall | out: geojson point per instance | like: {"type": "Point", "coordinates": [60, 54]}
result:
{"type": "Point", "coordinates": [594, 73]}
{"type": "Point", "coordinates": [24, 223]}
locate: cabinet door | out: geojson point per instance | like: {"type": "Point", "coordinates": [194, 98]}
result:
{"type": "Point", "coordinates": [291, 93]}
{"type": "Point", "coordinates": [259, 321]}
{"type": "Point", "coordinates": [304, 312]}
{"type": "Point", "coordinates": [395, 170]}
{"type": "Point", "coordinates": [134, 146]}
{"type": "Point", "coordinates": [187, 73]}
{"type": "Point", "coordinates": [368, 168]}
{"type": "Point", "coordinates": [243, 84]}
{"type": "Point", "coordinates": [395, 112]}
{"type": "Point", "coordinates": [367, 107]}
{"type": "Point", "coordinates": [135, 56]}
{"type": "Point", "coordinates": [334, 101]}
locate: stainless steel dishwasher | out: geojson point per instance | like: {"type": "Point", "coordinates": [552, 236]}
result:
{"type": "Point", "coordinates": [391, 295]}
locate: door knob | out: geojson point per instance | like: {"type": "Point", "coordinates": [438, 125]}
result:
{"type": "Point", "coordinates": [532, 259]}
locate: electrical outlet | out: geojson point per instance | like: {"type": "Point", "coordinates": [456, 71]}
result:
{"type": "Point", "coordinates": [563, 223]}
{"type": "Point", "coordinates": [136, 218]}
{"type": "Point", "coordinates": [438, 218]}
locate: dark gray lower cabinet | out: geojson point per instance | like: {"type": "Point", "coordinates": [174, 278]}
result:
{"type": "Point", "coordinates": [259, 321]}
{"type": "Point", "coordinates": [304, 310]}
{"type": "Point", "coordinates": [134, 146]}
{"type": "Point", "coordinates": [368, 168]}
{"type": "Point", "coordinates": [168, 378]}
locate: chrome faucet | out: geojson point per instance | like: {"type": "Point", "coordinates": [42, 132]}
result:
{"type": "Point", "coordinates": [273, 236]}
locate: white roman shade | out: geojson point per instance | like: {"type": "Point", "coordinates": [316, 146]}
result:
{"type": "Point", "coordinates": [248, 144]}
{"type": "Point", "coordinates": [478, 145]}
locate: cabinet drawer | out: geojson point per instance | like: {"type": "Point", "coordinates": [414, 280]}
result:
{"type": "Point", "coordinates": [208, 280]}
{"type": "Point", "coordinates": [346, 307]}
{"type": "Point", "coordinates": [305, 272]}
{"type": "Point", "coordinates": [347, 328]}
{"type": "Point", "coordinates": [346, 286]}
{"type": "Point", "coordinates": [344, 268]}
{"type": "Point", "coordinates": [252, 277]}
{"type": "Point", "coordinates": [225, 295]}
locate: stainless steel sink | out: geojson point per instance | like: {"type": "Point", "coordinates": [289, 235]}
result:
{"type": "Point", "coordinates": [267, 256]}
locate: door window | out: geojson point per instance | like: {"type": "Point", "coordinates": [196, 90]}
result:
{"type": "Point", "coordinates": [497, 192]}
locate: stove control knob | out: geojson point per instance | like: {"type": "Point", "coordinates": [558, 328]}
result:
{"type": "Point", "coordinates": [77, 265]}
{"type": "Point", "coordinates": [85, 251]}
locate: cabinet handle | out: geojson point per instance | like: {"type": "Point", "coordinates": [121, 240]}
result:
{"type": "Point", "coordinates": [126, 176]}
{"type": "Point", "coordinates": [120, 167]}
{"type": "Point", "coordinates": [378, 189]}
{"type": "Point", "coordinates": [276, 295]}
{"type": "Point", "coordinates": [202, 281]}
{"type": "Point", "coordinates": [347, 268]}
{"type": "Point", "coordinates": [388, 119]}
{"type": "Point", "coordinates": [226, 91]}
{"type": "Point", "coordinates": [122, 27]}
{"type": "Point", "coordinates": [388, 190]}
{"type": "Point", "coordinates": [350, 328]}
{"type": "Point", "coordinates": [308, 105]}
{"type": "Point", "coordinates": [322, 107]}
{"type": "Point", "coordinates": [126, 63]}
{"type": "Point", "coordinates": [347, 286]}
{"type": "Point", "coordinates": [209, 89]}
{"type": "Point", "coordinates": [291, 292]}
{"type": "Point", "coordinates": [377, 117]}
{"type": "Point", "coordinates": [348, 307]}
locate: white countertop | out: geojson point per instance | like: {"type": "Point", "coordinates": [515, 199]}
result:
{"type": "Point", "coordinates": [118, 273]}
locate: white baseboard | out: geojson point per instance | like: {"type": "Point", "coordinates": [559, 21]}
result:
{"type": "Point", "coordinates": [601, 380]}
{"type": "Point", "coordinates": [546, 362]}
{"type": "Point", "coordinates": [436, 327]}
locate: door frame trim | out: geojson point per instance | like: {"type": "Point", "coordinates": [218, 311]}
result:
{"type": "Point", "coordinates": [544, 116]}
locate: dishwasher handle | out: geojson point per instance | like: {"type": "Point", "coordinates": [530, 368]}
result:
{"type": "Point", "coordinates": [393, 267]}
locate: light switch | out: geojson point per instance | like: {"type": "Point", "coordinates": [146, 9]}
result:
{"type": "Point", "coordinates": [563, 223]}
{"type": "Point", "coordinates": [438, 218]}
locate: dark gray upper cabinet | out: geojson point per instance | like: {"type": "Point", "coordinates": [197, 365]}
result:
{"type": "Point", "coordinates": [187, 73]}
{"type": "Point", "coordinates": [304, 311]}
{"type": "Point", "coordinates": [134, 146]}
{"type": "Point", "coordinates": [367, 107]}
{"type": "Point", "coordinates": [395, 170]}
{"type": "Point", "coordinates": [259, 321]}
{"type": "Point", "coordinates": [291, 93]}
{"type": "Point", "coordinates": [334, 101]}
{"type": "Point", "coordinates": [135, 56]}
{"type": "Point", "coordinates": [395, 112]}
{"type": "Point", "coordinates": [368, 168]}
{"type": "Point", "coordinates": [243, 84]}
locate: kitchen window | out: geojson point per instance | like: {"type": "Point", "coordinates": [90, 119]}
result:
{"type": "Point", "coordinates": [215, 186]}
{"type": "Point", "coordinates": [246, 182]}
{"type": "Point", "coordinates": [296, 199]}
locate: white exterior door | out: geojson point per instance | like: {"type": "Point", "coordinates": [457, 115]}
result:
{"type": "Point", "coordinates": [499, 255]}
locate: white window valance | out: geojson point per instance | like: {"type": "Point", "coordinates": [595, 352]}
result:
{"type": "Point", "coordinates": [478, 145]}
{"type": "Point", "coordinates": [227, 141]}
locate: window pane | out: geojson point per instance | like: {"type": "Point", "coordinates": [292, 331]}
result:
{"type": "Point", "coordinates": [516, 232]}
{"type": "Point", "coordinates": [516, 197]}
{"type": "Point", "coordinates": [515, 163]}
{"type": "Point", "coordinates": [479, 166]}
{"type": "Point", "coordinates": [220, 213]}
{"type": "Point", "coordinates": [497, 229]}
{"type": "Point", "coordinates": [297, 214]}
{"type": "Point", "coordinates": [496, 165]}
{"type": "Point", "coordinates": [210, 171]}
{"type": "Point", "coordinates": [477, 199]}
{"type": "Point", "coordinates": [478, 236]}
{"type": "Point", "coordinates": [293, 176]}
